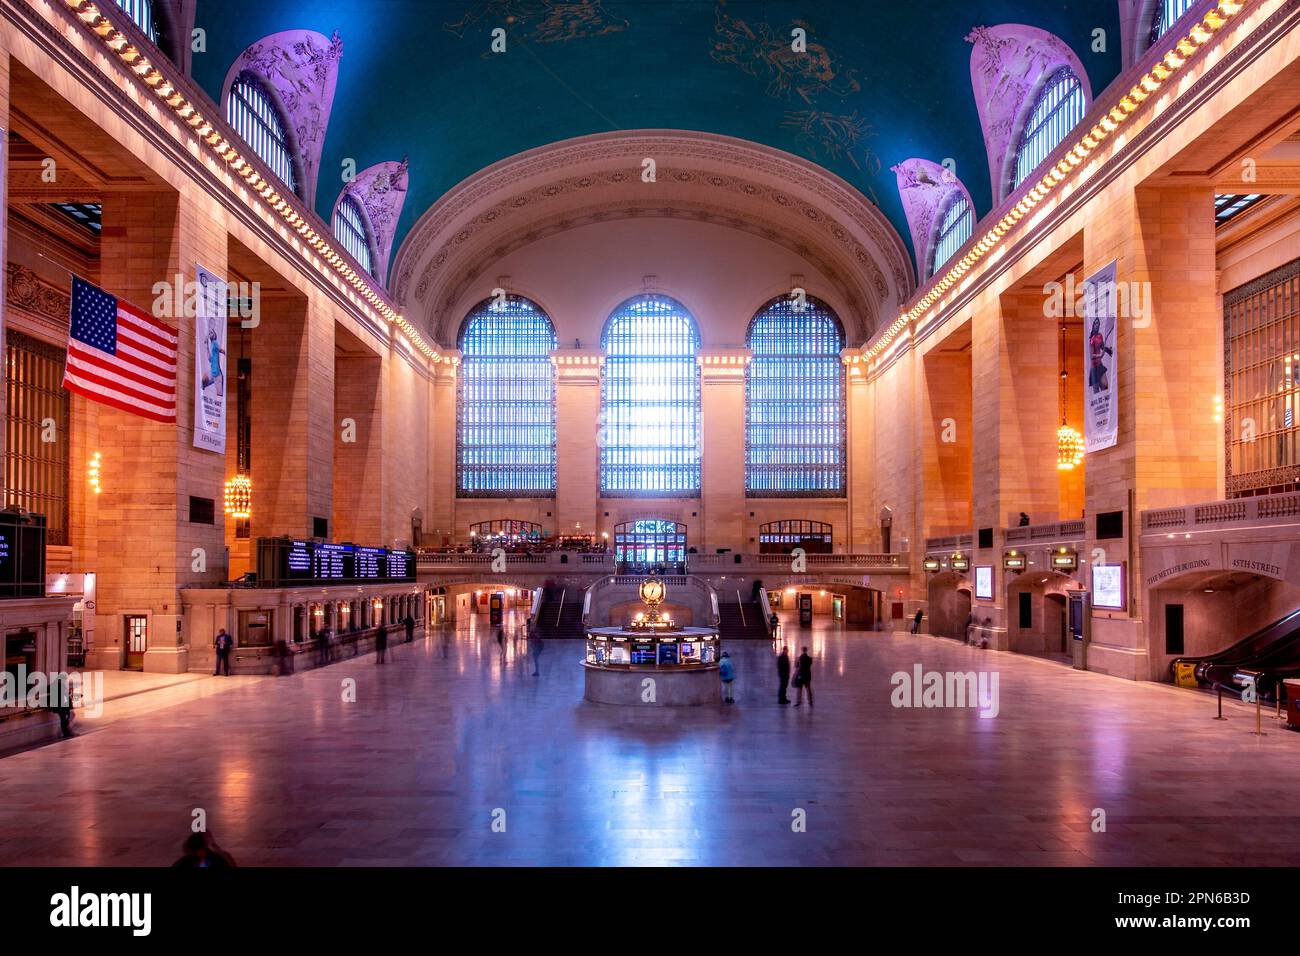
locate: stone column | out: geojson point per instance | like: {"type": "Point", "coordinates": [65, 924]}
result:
{"type": "Point", "coordinates": [149, 470]}
{"type": "Point", "coordinates": [857, 536]}
{"type": "Point", "coordinates": [578, 436]}
{"type": "Point", "coordinates": [358, 449]}
{"type": "Point", "coordinates": [1169, 367]}
{"type": "Point", "coordinates": [722, 470]}
{"type": "Point", "coordinates": [442, 450]}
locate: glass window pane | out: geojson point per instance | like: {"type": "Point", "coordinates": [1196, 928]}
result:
{"type": "Point", "coordinates": [650, 400]}
{"type": "Point", "coordinates": [794, 401]}
{"type": "Point", "coordinates": [505, 428]}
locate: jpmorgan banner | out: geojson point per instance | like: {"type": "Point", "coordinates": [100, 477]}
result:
{"type": "Point", "coordinates": [210, 362]}
{"type": "Point", "coordinates": [1101, 383]}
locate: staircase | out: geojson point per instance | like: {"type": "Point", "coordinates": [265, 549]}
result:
{"type": "Point", "coordinates": [560, 615]}
{"type": "Point", "coordinates": [740, 622]}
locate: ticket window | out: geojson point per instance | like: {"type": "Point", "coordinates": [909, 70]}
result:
{"type": "Point", "coordinates": [20, 658]}
{"type": "Point", "coordinates": [255, 629]}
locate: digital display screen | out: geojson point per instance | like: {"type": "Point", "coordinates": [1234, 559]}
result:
{"type": "Point", "coordinates": [643, 653]}
{"type": "Point", "coordinates": [667, 654]}
{"type": "Point", "coordinates": [984, 581]}
{"type": "Point", "coordinates": [22, 555]}
{"type": "Point", "coordinates": [372, 563]}
{"type": "Point", "coordinates": [284, 561]}
{"type": "Point", "coordinates": [1108, 586]}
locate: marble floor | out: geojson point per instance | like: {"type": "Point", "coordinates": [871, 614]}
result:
{"type": "Point", "coordinates": [448, 739]}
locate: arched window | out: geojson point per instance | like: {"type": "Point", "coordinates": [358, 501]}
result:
{"type": "Point", "coordinates": [650, 400]}
{"type": "Point", "coordinates": [254, 116]}
{"type": "Point", "coordinates": [1166, 14]}
{"type": "Point", "coordinates": [1059, 107]}
{"type": "Point", "coordinates": [350, 228]}
{"type": "Point", "coordinates": [505, 416]}
{"type": "Point", "coordinates": [141, 14]}
{"type": "Point", "coordinates": [782, 537]}
{"type": "Point", "coordinates": [954, 229]}
{"type": "Point", "coordinates": [649, 544]}
{"type": "Point", "coordinates": [794, 401]}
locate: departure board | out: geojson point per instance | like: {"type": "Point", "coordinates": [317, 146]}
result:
{"type": "Point", "coordinates": [285, 562]}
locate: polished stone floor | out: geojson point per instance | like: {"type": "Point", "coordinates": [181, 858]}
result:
{"type": "Point", "coordinates": [446, 739]}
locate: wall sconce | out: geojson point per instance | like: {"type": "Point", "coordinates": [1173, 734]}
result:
{"type": "Point", "coordinates": [92, 472]}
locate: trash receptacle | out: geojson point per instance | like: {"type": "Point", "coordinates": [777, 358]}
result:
{"type": "Point", "coordinates": [1185, 674]}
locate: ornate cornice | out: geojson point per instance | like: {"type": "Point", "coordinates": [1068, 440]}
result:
{"type": "Point", "coordinates": [26, 290]}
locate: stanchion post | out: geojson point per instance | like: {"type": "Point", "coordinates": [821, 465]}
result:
{"type": "Point", "coordinates": [1259, 713]}
{"type": "Point", "coordinates": [1219, 689]}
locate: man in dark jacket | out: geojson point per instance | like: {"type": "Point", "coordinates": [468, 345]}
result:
{"type": "Point", "coordinates": [916, 622]}
{"type": "Point", "coordinates": [803, 678]}
{"type": "Point", "coordinates": [409, 623]}
{"type": "Point", "coordinates": [223, 643]}
{"type": "Point", "coordinates": [783, 675]}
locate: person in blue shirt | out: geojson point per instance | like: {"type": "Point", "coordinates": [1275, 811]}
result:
{"type": "Point", "coordinates": [727, 671]}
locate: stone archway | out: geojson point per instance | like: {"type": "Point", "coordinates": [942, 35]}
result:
{"type": "Point", "coordinates": [701, 177]}
{"type": "Point", "coordinates": [1037, 612]}
{"type": "Point", "coordinates": [949, 599]}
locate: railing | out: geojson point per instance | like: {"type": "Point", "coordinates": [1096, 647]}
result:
{"type": "Point", "coordinates": [710, 562]}
{"type": "Point", "coordinates": [550, 561]}
{"type": "Point", "coordinates": [952, 542]}
{"type": "Point", "coordinates": [766, 608]}
{"type": "Point", "coordinates": [1075, 529]}
{"type": "Point", "coordinates": [1280, 509]}
{"type": "Point", "coordinates": [706, 597]}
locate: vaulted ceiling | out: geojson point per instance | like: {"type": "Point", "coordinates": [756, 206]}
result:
{"type": "Point", "coordinates": [881, 82]}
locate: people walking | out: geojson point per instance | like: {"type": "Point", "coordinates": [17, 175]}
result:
{"type": "Point", "coordinates": [223, 643]}
{"type": "Point", "coordinates": [409, 623]}
{"type": "Point", "coordinates": [803, 678]}
{"type": "Point", "coordinates": [727, 671]}
{"type": "Point", "coordinates": [783, 675]}
{"type": "Point", "coordinates": [323, 644]}
{"type": "Point", "coordinates": [501, 643]}
{"type": "Point", "coordinates": [381, 644]}
{"type": "Point", "coordinates": [535, 649]}
{"type": "Point", "coordinates": [61, 703]}
{"type": "Point", "coordinates": [916, 621]}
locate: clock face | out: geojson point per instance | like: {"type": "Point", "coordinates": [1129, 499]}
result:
{"type": "Point", "coordinates": [652, 591]}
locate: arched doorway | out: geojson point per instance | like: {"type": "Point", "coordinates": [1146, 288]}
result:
{"type": "Point", "coordinates": [1038, 613]}
{"type": "Point", "coordinates": [647, 544]}
{"type": "Point", "coordinates": [949, 599]}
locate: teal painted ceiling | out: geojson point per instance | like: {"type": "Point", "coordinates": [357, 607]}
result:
{"type": "Point", "coordinates": [888, 80]}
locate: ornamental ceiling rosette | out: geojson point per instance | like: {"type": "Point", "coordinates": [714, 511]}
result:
{"type": "Point", "coordinates": [300, 69]}
{"type": "Point", "coordinates": [1007, 67]}
{"type": "Point", "coordinates": [926, 188]}
{"type": "Point", "coordinates": [380, 190]}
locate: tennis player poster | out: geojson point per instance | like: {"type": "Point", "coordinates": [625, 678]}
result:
{"type": "Point", "coordinates": [1101, 388]}
{"type": "Point", "coordinates": [210, 310]}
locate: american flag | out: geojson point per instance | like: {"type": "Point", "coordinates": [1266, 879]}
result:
{"type": "Point", "coordinates": [119, 355]}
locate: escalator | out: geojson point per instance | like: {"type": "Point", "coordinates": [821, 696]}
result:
{"type": "Point", "coordinates": [1269, 656]}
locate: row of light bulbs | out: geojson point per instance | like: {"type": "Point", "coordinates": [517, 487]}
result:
{"type": "Point", "coordinates": [117, 41]}
{"type": "Point", "coordinates": [1171, 63]}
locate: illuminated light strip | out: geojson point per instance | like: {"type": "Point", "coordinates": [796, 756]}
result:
{"type": "Point", "coordinates": [89, 14]}
{"type": "Point", "coordinates": [1173, 61]}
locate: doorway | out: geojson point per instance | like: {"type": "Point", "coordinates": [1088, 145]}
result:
{"type": "Point", "coordinates": [1056, 624]}
{"type": "Point", "coordinates": [136, 640]}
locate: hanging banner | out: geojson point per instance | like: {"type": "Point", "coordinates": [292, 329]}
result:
{"type": "Point", "coordinates": [1101, 385]}
{"type": "Point", "coordinates": [210, 309]}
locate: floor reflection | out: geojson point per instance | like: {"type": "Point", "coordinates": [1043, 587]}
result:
{"type": "Point", "coordinates": [451, 755]}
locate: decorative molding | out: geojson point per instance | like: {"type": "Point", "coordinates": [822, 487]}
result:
{"type": "Point", "coordinates": [1007, 67]}
{"type": "Point", "coordinates": [381, 191]}
{"type": "Point", "coordinates": [926, 188]}
{"type": "Point", "coordinates": [26, 290]}
{"type": "Point", "coordinates": [482, 216]}
{"type": "Point", "coordinates": [301, 69]}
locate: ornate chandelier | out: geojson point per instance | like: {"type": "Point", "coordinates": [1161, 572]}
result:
{"type": "Point", "coordinates": [1069, 443]}
{"type": "Point", "coordinates": [1069, 447]}
{"type": "Point", "coordinates": [239, 497]}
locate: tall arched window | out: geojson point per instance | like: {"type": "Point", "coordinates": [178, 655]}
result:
{"type": "Point", "coordinates": [1166, 14]}
{"type": "Point", "coordinates": [350, 228]}
{"type": "Point", "coordinates": [141, 14]}
{"type": "Point", "coordinates": [505, 416]}
{"type": "Point", "coordinates": [253, 114]}
{"type": "Point", "coordinates": [794, 401]}
{"type": "Point", "coordinates": [954, 229]}
{"type": "Point", "coordinates": [1058, 109]}
{"type": "Point", "coordinates": [650, 400]}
